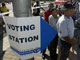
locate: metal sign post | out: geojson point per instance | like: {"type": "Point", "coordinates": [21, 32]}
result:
{"type": "Point", "coordinates": [22, 8]}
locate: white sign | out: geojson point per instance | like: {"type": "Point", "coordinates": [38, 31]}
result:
{"type": "Point", "coordinates": [24, 35]}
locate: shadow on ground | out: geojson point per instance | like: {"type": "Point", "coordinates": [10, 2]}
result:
{"type": "Point", "coordinates": [1, 55]}
{"type": "Point", "coordinates": [72, 56]}
{"type": "Point", "coordinates": [47, 57]}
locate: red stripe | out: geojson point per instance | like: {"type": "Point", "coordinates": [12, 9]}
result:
{"type": "Point", "coordinates": [61, 1]}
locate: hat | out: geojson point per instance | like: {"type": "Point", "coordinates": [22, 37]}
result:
{"type": "Point", "coordinates": [66, 6]}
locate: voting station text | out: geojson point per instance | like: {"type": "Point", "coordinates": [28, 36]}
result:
{"type": "Point", "coordinates": [25, 28]}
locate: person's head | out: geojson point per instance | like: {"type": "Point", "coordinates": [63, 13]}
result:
{"type": "Point", "coordinates": [37, 3]}
{"type": "Point", "coordinates": [54, 11]}
{"type": "Point", "coordinates": [51, 5]}
{"type": "Point", "coordinates": [67, 9]}
{"type": "Point", "coordinates": [3, 4]}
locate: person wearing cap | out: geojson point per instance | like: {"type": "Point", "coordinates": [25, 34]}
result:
{"type": "Point", "coordinates": [65, 27]}
{"type": "Point", "coordinates": [47, 12]}
{"type": "Point", "coordinates": [53, 45]}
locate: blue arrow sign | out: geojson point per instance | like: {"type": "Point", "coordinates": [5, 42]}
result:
{"type": "Point", "coordinates": [47, 34]}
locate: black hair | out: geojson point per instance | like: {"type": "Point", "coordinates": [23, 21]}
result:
{"type": "Point", "coordinates": [52, 9]}
{"type": "Point", "coordinates": [3, 4]}
{"type": "Point", "coordinates": [37, 3]}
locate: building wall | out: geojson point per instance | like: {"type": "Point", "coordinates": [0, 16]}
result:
{"type": "Point", "coordinates": [5, 1]}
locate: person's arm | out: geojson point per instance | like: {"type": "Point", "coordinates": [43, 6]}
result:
{"type": "Point", "coordinates": [67, 39]}
{"type": "Point", "coordinates": [45, 16]}
{"type": "Point", "coordinates": [75, 37]}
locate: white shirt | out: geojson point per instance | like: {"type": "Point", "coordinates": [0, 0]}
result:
{"type": "Point", "coordinates": [52, 21]}
{"type": "Point", "coordinates": [65, 27]}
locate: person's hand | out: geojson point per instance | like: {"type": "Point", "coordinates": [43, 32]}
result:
{"type": "Point", "coordinates": [74, 41]}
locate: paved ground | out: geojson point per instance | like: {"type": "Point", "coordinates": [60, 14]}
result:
{"type": "Point", "coordinates": [9, 55]}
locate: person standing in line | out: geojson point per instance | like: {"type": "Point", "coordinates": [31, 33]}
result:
{"type": "Point", "coordinates": [65, 27]}
{"type": "Point", "coordinates": [1, 33]}
{"type": "Point", "coordinates": [77, 8]}
{"type": "Point", "coordinates": [1, 18]}
{"type": "Point", "coordinates": [47, 12]}
{"type": "Point", "coordinates": [32, 2]}
{"type": "Point", "coordinates": [4, 9]}
{"type": "Point", "coordinates": [46, 15]}
{"type": "Point", "coordinates": [53, 45]}
{"type": "Point", "coordinates": [36, 12]}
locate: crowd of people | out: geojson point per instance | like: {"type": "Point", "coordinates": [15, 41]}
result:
{"type": "Point", "coordinates": [62, 19]}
